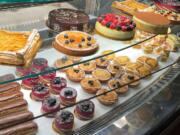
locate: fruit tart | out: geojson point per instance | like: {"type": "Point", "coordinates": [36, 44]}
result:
{"type": "Point", "coordinates": [22, 71]}
{"type": "Point", "coordinates": [75, 43]}
{"type": "Point", "coordinates": [68, 96]}
{"type": "Point", "coordinates": [57, 84]}
{"type": "Point", "coordinates": [102, 62]}
{"type": "Point", "coordinates": [115, 26]}
{"type": "Point", "coordinates": [107, 98]}
{"type": "Point", "coordinates": [84, 110]}
{"type": "Point", "coordinates": [46, 78]}
{"type": "Point", "coordinates": [121, 60]}
{"type": "Point", "coordinates": [90, 85]}
{"type": "Point", "coordinates": [75, 74]}
{"type": "Point", "coordinates": [39, 64]}
{"type": "Point", "coordinates": [50, 105]}
{"type": "Point", "coordinates": [63, 122]}
{"type": "Point", "coordinates": [115, 68]}
{"type": "Point", "coordinates": [18, 48]}
{"type": "Point", "coordinates": [29, 83]}
{"type": "Point", "coordinates": [109, 57]}
{"type": "Point", "coordinates": [131, 79]}
{"type": "Point", "coordinates": [101, 74]}
{"type": "Point", "coordinates": [88, 67]}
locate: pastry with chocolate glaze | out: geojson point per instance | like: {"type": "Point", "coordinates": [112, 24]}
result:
{"type": "Point", "coordinates": [85, 110]}
{"type": "Point", "coordinates": [90, 85]}
{"type": "Point", "coordinates": [68, 96]}
{"type": "Point", "coordinates": [63, 122]}
{"type": "Point", "coordinates": [50, 105]}
{"type": "Point", "coordinates": [88, 67]}
{"type": "Point", "coordinates": [57, 84]}
{"type": "Point", "coordinates": [75, 74]}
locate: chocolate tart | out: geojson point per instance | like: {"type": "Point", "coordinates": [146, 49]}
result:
{"type": "Point", "coordinates": [18, 48]}
{"type": "Point", "coordinates": [67, 19]}
{"type": "Point", "coordinates": [75, 43]}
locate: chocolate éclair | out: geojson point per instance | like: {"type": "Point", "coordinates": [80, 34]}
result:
{"type": "Point", "coordinates": [15, 119]}
{"type": "Point", "coordinates": [28, 128]}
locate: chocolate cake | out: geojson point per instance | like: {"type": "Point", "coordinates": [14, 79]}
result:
{"type": "Point", "coordinates": [67, 19]}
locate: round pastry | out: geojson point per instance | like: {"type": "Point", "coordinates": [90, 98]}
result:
{"type": "Point", "coordinates": [108, 98]}
{"type": "Point", "coordinates": [109, 57]}
{"type": "Point", "coordinates": [40, 92]}
{"type": "Point", "coordinates": [121, 60]}
{"type": "Point", "coordinates": [84, 110]}
{"type": "Point", "coordinates": [148, 48]}
{"type": "Point", "coordinates": [115, 26]}
{"type": "Point", "coordinates": [102, 62]}
{"type": "Point", "coordinates": [46, 78]}
{"type": "Point", "coordinates": [75, 43]}
{"type": "Point", "coordinates": [22, 71]}
{"type": "Point", "coordinates": [29, 83]}
{"type": "Point", "coordinates": [63, 62]}
{"type": "Point", "coordinates": [115, 83]}
{"type": "Point", "coordinates": [39, 64]}
{"type": "Point", "coordinates": [50, 105]}
{"type": "Point", "coordinates": [130, 78]}
{"type": "Point", "coordinates": [115, 68]}
{"type": "Point", "coordinates": [151, 22]}
{"type": "Point", "coordinates": [88, 67]}
{"type": "Point", "coordinates": [132, 67]}
{"type": "Point", "coordinates": [57, 84]}
{"type": "Point", "coordinates": [68, 96]}
{"type": "Point", "coordinates": [67, 19]}
{"type": "Point", "coordinates": [101, 74]}
{"type": "Point", "coordinates": [90, 85]}
{"type": "Point", "coordinates": [143, 71]}
{"type": "Point", "coordinates": [75, 74]}
{"type": "Point", "coordinates": [64, 122]}
{"type": "Point", "coordinates": [164, 56]}
{"type": "Point", "coordinates": [74, 58]}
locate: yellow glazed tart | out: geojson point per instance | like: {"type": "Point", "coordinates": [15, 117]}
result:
{"type": "Point", "coordinates": [101, 74]}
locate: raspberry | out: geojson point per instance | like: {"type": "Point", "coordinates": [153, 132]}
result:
{"type": "Point", "coordinates": [112, 26]}
{"type": "Point", "coordinates": [103, 22]}
{"type": "Point", "coordinates": [132, 26]}
{"type": "Point", "coordinates": [118, 27]}
{"type": "Point", "coordinates": [99, 19]}
{"type": "Point", "coordinates": [124, 28]}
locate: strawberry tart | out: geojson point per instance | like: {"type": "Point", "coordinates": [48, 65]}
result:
{"type": "Point", "coordinates": [115, 26]}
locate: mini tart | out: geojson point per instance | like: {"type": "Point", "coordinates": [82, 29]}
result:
{"type": "Point", "coordinates": [68, 96]}
{"type": "Point", "coordinates": [50, 105]}
{"type": "Point", "coordinates": [101, 74]}
{"type": "Point", "coordinates": [75, 43]}
{"type": "Point", "coordinates": [102, 62]}
{"type": "Point", "coordinates": [29, 83]}
{"type": "Point", "coordinates": [121, 60]}
{"type": "Point", "coordinates": [63, 122]}
{"type": "Point", "coordinates": [75, 59]}
{"type": "Point", "coordinates": [88, 67]}
{"type": "Point", "coordinates": [40, 92]}
{"type": "Point", "coordinates": [46, 78]}
{"type": "Point", "coordinates": [108, 98]}
{"type": "Point", "coordinates": [115, 26]}
{"type": "Point", "coordinates": [132, 67]}
{"type": "Point", "coordinates": [22, 71]}
{"type": "Point", "coordinates": [57, 84]}
{"type": "Point", "coordinates": [116, 83]}
{"type": "Point", "coordinates": [109, 57]}
{"type": "Point", "coordinates": [63, 62]}
{"type": "Point", "coordinates": [115, 68]}
{"type": "Point", "coordinates": [39, 64]}
{"type": "Point", "coordinates": [75, 74]}
{"type": "Point", "coordinates": [90, 85]}
{"type": "Point", "coordinates": [130, 77]}
{"type": "Point", "coordinates": [147, 48]}
{"type": "Point", "coordinates": [84, 110]}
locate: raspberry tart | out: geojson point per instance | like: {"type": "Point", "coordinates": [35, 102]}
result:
{"type": "Point", "coordinates": [115, 26]}
{"type": "Point", "coordinates": [29, 83]}
{"type": "Point", "coordinates": [39, 64]}
{"type": "Point", "coordinates": [46, 78]}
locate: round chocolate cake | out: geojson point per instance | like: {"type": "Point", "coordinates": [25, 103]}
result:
{"type": "Point", "coordinates": [67, 19]}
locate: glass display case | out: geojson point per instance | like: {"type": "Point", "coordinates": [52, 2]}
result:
{"type": "Point", "coordinates": [113, 78]}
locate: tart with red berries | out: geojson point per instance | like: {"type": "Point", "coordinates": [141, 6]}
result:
{"type": "Point", "coordinates": [115, 26]}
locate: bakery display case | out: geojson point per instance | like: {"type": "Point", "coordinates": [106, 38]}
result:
{"type": "Point", "coordinates": [87, 67]}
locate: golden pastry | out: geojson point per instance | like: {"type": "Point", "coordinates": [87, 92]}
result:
{"type": "Point", "coordinates": [122, 60]}
{"type": "Point", "coordinates": [115, 68]}
{"type": "Point", "coordinates": [90, 85]}
{"type": "Point", "coordinates": [88, 67]}
{"type": "Point", "coordinates": [164, 56]}
{"type": "Point", "coordinates": [143, 71]}
{"type": "Point", "coordinates": [130, 78]}
{"type": "Point", "coordinates": [109, 57]}
{"type": "Point", "coordinates": [148, 48]}
{"type": "Point", "coordinates": [75, 74]}
{"type": "Point", "coordinates": [101, 74]}
{"type": "Point", "coordinates": [75, 59]}
{"type": "Point", "coordinates": [102, 62]}
{"type": "Point", "coordinates": [108, 98]}
{"type": "Point", "coordinates": [148, 61]}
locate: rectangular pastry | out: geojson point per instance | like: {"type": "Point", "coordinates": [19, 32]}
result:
{"type": "Point", "coordinates": [7, 77]}
{"type": "Point", "coordinates": [28, 128]}
{"type": "Point", "coordinates": [18, 48]}
{"type": "Point", "coordinates": [12, 119]}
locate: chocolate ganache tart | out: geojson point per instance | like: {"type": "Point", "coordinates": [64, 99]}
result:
{"type": "Point", "coordinates": [18, 48]}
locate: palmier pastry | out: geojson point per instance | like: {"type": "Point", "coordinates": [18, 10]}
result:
{"type": "Point", "coordinates": [64, 122]}
{"type": "Point", "coordinates": [40, 92]}
{"type": "Point", "coordinates": [88, 67]}
{"type": "Point", "coordinates": [102, 62]}
{"type": "Point", "coordinates": [57, 84]}
{"type": "Point", "coordinates": [130, 78]}
{"type": "Point", "coordinates": [46, 78]}
{"type": "Point", "coordinates": [90, 85]}
{"type": "Point", "coordinates": [115, 83]}
{"type": "Point", "coordinates": [29, 83]}
{"type": "Point", "coordinates": [75, 74]}
{"type": "Point", "coordinates": [121, 60]}
{"type": "Point", "coordinates": [107, 98]}
{"type": "Point", "coordinates": [39, 64]}
{"type": "Point", "coordinates": [63, 62]}
{"type": "Point", "coordinates": [109, 57]}
{"type": "Point", "coordinates": [101, 74]}
{"type": "Point", "coordinates": [50, 105]}
{"type": "Point", "coordinates": [68, 96]}
{"type": "Point", "coordinates": [115, 68]}
{"type": "Point", "coordinates": [84, 110]}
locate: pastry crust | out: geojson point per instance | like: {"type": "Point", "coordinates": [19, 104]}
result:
{"type": "Point", "coordinates": [60, 63]}
{"type": "Point", "coordinates": [75, 74]}
{"type": "Point", "coordinates": [121, 60]}
{"type": "Point", "coordinates": [101, 74]}
{"type": "Point", "coordinates": [88, 67]}
{"type": "Point", "coordinates": [24, 54]}
{"type": "Point", "coordinates": [102, 62]}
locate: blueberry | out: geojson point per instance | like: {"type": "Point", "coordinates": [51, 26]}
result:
{"type": "Point", "coordinates": [80, 45]}
{"type": "Point", "coordinates": [108, 24]}
{"type": "Point", "coordinates": [68, 93]}
{"type": "Point", "coordinates": [66, 116]}
{"type": "Point", "coordinates": [57, 80]}
{"type": "Point", "coordinates": [72, 40]}
{"type": "Point", "coordinates": [40, 87]}
{"type": "Point", "coordinates": [128, 28]}
{"type": "Point", "coordinates": [76, 70]}
{"type": "Point", "coordinates": [83, 39]}
{"type": "Point", "coordinates": [89, 38]}
{"type": "Point", "coordinates": [65, 36]}
{"type": "Point", "coordinates": [51, 101]}
{"type": "Point", "coordinates": [91, 82]}
{"type": "Point", "coordinates": [118, 28]}
{"type": "Point", "coordinates": [130, 77]}
{"type": "Point", "coordinates": [88, 44]}
{"type": "Point", "coordinates": [116, 67]}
